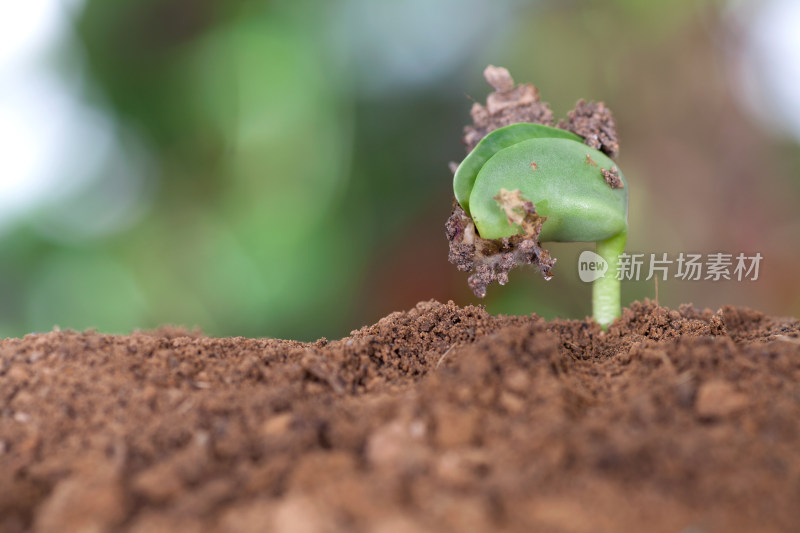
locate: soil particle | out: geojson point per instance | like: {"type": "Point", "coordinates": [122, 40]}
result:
{"type": "Point", "coordinates": [492, 260]}
{"type": "Point", "coordinates": [91, 500]}
{"type": "Point", "coordinates": [593, 122]}
{"type": "Point", "coordinates": [460, 232]}
{"type": "Point", "coordinates": [670, 420]}
{"type": "Point", "coordinates": [612, 177]}
{"type": "Point", "coordinates": [717, 399]}
{"type": "Point", "coordinates": [508, 104]}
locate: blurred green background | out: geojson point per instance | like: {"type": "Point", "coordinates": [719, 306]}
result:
{"type": "Point", "coordinates": [280, 168]}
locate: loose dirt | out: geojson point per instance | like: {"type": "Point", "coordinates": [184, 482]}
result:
{"type": "Point", "coordinates": [437, 419]}
{"type": "Point", "coordinates": [507, 104]}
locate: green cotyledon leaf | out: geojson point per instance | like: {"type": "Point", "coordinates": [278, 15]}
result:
{"type": "Point", "coordinates": [563, 179]}
{"type": "Point", "coordinates": [499, 139]}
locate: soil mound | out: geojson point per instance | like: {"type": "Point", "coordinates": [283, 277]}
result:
{"type": "Point", "coordinates": [437, 419]}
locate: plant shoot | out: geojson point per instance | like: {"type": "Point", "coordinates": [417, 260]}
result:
{"type": "Point", "coordinates": [526, 182]}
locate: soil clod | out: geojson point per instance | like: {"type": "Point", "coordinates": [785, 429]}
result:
{"type": "Point", "coordinates": [492, 260]}
{"type": "Point", "coordinates": [612, 177]}
{"type": "Point", "coordinates": [508, 104]}
{"type": "Point", "coordinates": [593, 122]}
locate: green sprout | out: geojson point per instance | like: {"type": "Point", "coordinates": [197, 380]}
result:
{"type": "Point", "coordinates": [536, 183]}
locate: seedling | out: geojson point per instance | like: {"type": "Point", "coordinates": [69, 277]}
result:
{"type": "Point", "coordinates": [528, 183]}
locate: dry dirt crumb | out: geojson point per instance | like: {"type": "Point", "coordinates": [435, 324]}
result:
{"type": "Point", "coordinates": [717, 399]}
{"type": "Point", "coordinates": [492, 260]}
{"type": "Point", "coordinates": [593, 122]}
{"type": "Point", "coordinates": [510, 104]}
{"type": "Point", "coordinates": [612, 177]}
{"type": "Point", "coordinates": [507, 105]}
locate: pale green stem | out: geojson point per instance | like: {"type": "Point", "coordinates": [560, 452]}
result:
{"type": "Point", "coordinates": [606, 290]}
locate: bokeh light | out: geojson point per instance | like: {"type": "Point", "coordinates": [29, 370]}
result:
{"type": "Point", "coordinates": [280, 169]}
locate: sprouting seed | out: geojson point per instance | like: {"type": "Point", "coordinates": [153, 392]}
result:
{"type": "Point", "coordinates": [505, 212]}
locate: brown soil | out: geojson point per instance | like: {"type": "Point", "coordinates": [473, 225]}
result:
{"type": "Point", "coordinates": [508, 104]}
{"type": "Point", "coordinates": [437, 419]}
